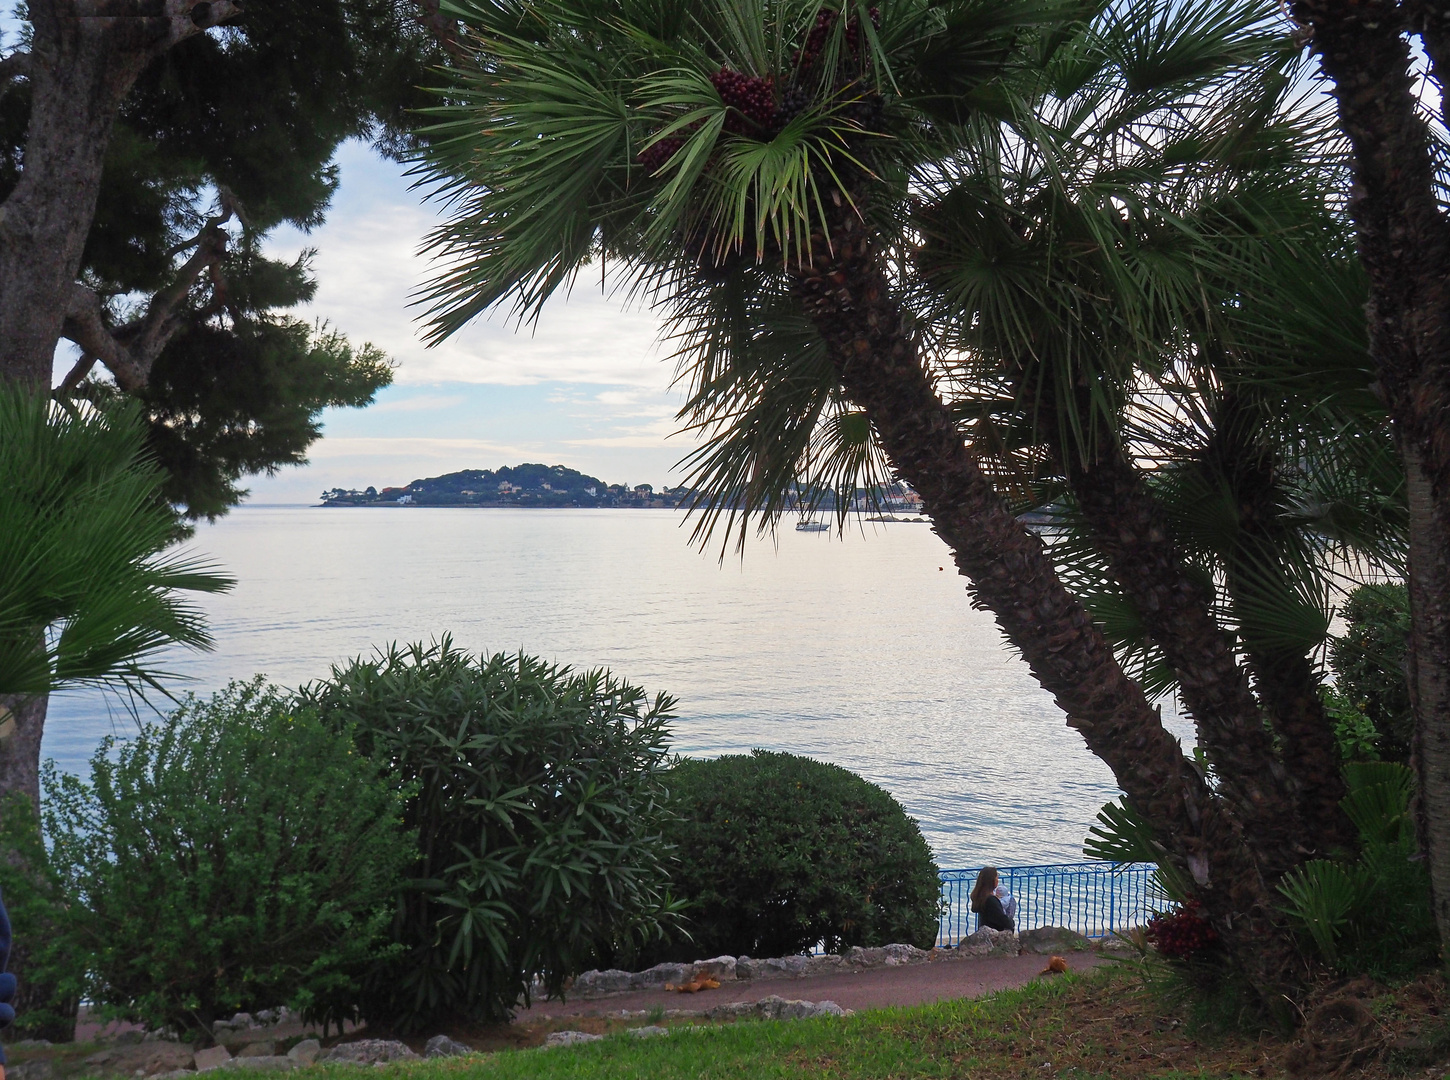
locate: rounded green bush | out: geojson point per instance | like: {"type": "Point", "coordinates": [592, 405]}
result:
{"type": "Point", "coordinates": [777, 853]}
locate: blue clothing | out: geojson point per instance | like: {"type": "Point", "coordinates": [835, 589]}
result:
{"type": "Point", "coordinates": [7, 981]}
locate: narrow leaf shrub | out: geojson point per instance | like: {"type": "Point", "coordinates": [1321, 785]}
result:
{"type": "Point", "coordinates": [538, 810]}
{"type": "Point", "coordinates": [236, 855]}
{"type": "Point", "coordinates": [776, 853]}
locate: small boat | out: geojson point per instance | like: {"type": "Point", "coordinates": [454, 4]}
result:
{"type": "Point", "coordinates": [812, 526]}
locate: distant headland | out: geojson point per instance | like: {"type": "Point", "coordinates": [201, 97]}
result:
{"type": "Point", "coordinates": [517, 485]}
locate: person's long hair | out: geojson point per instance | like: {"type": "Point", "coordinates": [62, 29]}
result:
{"type": "Point", "coordinates": [986, 882]}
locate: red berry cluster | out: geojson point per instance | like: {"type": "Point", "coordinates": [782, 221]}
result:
{"type": "Point", "coordinates": [816, 40]}
{"type": "Point", "coordinates": [752, 99]}
{"type": "Point", "coordinates": [653, 157]}
{"type": "Point", "coordinates": [1181, 934]}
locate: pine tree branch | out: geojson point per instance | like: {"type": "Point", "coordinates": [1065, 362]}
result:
{"type": "Point", "coordinates": [130, 351]}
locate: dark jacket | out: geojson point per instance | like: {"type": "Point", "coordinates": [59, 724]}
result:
{"type": "Point", "coordinates": [7, 982]}
{"type": "Point", "coordinates": [991, 914]}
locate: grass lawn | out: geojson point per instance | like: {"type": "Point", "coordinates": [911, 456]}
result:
{"type": "Point", "coordinates": [1098, 1025]}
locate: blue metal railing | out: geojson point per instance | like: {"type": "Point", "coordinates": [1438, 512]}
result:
{"type": "Point", "coordinates": [1093, 898]}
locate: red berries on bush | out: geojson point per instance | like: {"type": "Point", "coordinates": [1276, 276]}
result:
{"type": "Point", "coordinates": [1181, 934]}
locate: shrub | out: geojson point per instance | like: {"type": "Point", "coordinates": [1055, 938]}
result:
{"type": "Point", "coordinates": [1369, 664]}
{"type": "Point", "coordinates": [1371, 915]}
{"type": "Point", "coordinates": [236, 855]}
{"type": "Point", "coordinates": [777, 852]}
{"type": "Point", "coordinates": [538, 810]}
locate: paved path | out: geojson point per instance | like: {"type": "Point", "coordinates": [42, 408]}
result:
{"type": "Point", "coordinates": [868, 988]}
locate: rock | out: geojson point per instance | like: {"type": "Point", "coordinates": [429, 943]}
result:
{"type": "Point", "coordinates": [160, 1057]}
{"type": "Point", "coordinates": [866, 958]}
{"type": "Point", "coordinates": [650, 1031]}
{"type": "Point", "coordinates": [174, 1074]}
{"type": "Point", "coordinates": [268, 1016]}
{"type": "Point", "coordinates": [719, 967]}
{"type": "Point", "coordinates": [1113, 945]}
{"type": "Point", "coordinates": [241, 1020]}
{"type": "Point", "coordinates": [105, 1057]}
{"type": "Point", "coordinates": [659, 975]}
{"type": "Point", "coordinates": [777, 967]}
{"type": "Point", "coordinates": [305, 1052]}
{"type": "Point", "coordinates": [369, 1052]}
{"type": "Point", "coordinates": [1046, 940]}
{"type": "Point", "coordinates": [134, 1037]}
{"type": "Point", "coordinates": [899, 955]}
{"type": "Point", "coordinates": [777, 1008]}
{"type": "Point", "coordinates": [164, 1035]}
{"type": "Point", "coordinates": [261, 1061]}
{"type": "Point", "coordinates": [258, 1049]}
{"type": "Point", "coordinates": [824, 965]}
{"type": "Point", "coordinates": [213, 1057]}
{"type": "Point", "coordinates": [443, 1046]}
{"type": "Point", "coordinates": [830, 1008]}
{"type": "Point", "coordinates": [30, 1070]}
{"type": "Point", "coordinates": [733, 1010]}
{"type": "Point", "coordinates": [595, 983]}
{"type": "Point", "coordinates": [989, 942]}
{"type": "Point", "coordinates": [570, 1038]}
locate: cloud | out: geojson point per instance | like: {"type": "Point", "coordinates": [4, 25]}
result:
{"type": "Point", "coordinates": [421, 403]}
{"type": "Point", "coordinates": [369, 267]}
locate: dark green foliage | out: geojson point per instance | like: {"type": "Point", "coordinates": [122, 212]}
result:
{"type": "Point", "coordinates": [228, 402]}
{"type": "Point", "coordinates": [1370, 915]}
{"type": "Point", "coordinates": [237, 855]}
{"type": "Point", "coordinates": [250, 115]}
{"type": "Point", "coordinates": [777, 852]}
{"type": "Point", "coordinates": [36, 903]}
{"type": "Point", "coordinates": [539, 804]}
{"type": "Point", "coordinates": [1369, 664]}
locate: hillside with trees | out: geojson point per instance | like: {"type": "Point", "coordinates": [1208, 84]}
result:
{"type": "Point", "coordinates": [527, 485]}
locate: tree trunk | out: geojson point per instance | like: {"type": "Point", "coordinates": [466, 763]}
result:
{"type": "Point", "coordinates": [85, 56]}
{"type": "Point", "coordinates": [848, 297]}
{"type": "Point", "coordinates": [1429, 588]}
{"type": "Point", "coordinates": [78, 78]}
{"type": "Point", "coordinates": [1128, 529]}
{"type": "Point", "coordinates": [22, 722]}
{"type": "Point", "coordinates": [1404, 242]}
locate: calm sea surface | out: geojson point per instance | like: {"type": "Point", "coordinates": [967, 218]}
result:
{"type": "Point", "coordinates": [861, 651]}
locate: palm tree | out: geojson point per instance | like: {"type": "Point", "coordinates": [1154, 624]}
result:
{"type": "Point", "coordinates": [87, 595]}
{"type": "Point", "coordinates": [755, 166]}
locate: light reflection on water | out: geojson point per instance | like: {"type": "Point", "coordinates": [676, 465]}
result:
{"type": "Point", "coordinates": [859, 651]}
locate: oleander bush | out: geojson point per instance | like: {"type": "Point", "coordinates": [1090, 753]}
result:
{"type": "Point", "coordinates": [777, 853]}
{"type": "Point", "coordinates": [539, 807]}
{"type": "Point", "coordinates": [236, 855]}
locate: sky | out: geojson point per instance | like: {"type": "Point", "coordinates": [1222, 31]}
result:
{"type": "Point", "coordinates": [589, 387]}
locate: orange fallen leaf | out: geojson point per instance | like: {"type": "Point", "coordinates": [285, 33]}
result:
{"type": "Point", "coordinates": [1057, 964]}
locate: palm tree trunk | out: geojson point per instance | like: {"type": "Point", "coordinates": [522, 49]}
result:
{"type": "Point", "coordinates": [1128, 529]}
{"type": "Point", "coordinates": [1429, 588]}
{"type": "Point", "coordinates": [1404, 242]}
{"type": "Point", "coordinates": [846, 294]}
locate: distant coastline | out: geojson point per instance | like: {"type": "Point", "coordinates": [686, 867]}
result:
{"type": "Point", "coordinates": [559, 487]}
{"type": "Point", "coordinates": [527, 485]}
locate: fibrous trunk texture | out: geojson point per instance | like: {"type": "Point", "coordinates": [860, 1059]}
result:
{"type": "Point", "coordinates": [846, 294]}
{"type": "Point", "coordinates": [1429, 588]}
{"type": "Point", "coordinates": [1128, 529]}
{"type": "Point", "coordinates": [1404, 243]}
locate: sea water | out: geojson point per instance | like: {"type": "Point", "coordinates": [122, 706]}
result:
{"type": "Point", "coordinates": [862, 649]}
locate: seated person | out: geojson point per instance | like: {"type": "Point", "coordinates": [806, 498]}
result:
{"type": "Point", "coordinates": [987, 904]}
